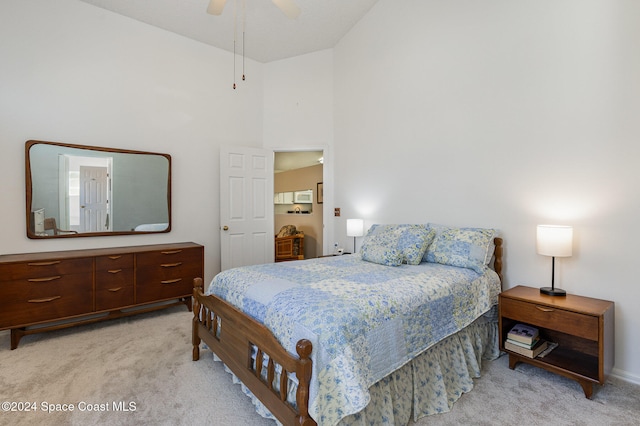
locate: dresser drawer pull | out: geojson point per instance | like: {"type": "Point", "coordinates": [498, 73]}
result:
{"type": "Point", "coordinates": [171, 252]}
{"type": "Point", "coordinates": [115, 257]}
{"type": "Point", "coordinates": [171, 281]}
{"type": "Point", "coordinates": [40, 280]}
{"type": "Point", "coordinates": [115, 289]}
{"type": "Point", "coordinates": [171, 265]}
{"type": "Point", "coordinates": [114, 271]}
{"type": "Point", "coordinates": [544, 309]}
{"type": "Point", "coordinates": [44, 300]}
{"type": "Point", "coordinates": [53, 262]}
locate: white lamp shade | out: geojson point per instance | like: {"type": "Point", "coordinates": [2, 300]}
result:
{"type": "Point", "coordinates": [554, 240]}
{"type": "Point", "coordinates": [355, 227]}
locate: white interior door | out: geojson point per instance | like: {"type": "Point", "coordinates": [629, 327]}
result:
{"type": "Point", "coordinates": [94, 200]}
{"type": "Point", "coordinates": [246, 206]}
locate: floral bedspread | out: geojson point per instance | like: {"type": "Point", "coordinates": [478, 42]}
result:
{"type": "Point", "coordinates": [365, 320]}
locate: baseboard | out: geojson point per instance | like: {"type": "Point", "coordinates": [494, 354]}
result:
{"type": "Point", "coordinates": [626, 376]}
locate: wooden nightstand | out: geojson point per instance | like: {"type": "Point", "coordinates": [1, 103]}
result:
{"type": "Point", "coordinates": [583, 328]}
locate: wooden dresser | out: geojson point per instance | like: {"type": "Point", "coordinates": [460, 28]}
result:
{"type": "Point", "coordinates": [84, 286]}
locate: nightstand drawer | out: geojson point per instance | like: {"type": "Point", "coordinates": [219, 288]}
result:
{"type": "Point", "coordinates": [581, 325]}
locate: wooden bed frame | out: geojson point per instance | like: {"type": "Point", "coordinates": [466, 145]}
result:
{"type": "Point", "coordinates": [232, 336]}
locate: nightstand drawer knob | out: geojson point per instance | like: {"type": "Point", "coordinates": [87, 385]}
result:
{"type": "Point", "coordinates": [544, 309]}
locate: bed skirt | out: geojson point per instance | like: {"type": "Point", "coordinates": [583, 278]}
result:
{"type": "Point", "coordinates": [429, 384]}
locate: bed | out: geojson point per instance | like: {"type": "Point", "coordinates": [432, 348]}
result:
{"type": "Point", "coordinates": [394, 332]}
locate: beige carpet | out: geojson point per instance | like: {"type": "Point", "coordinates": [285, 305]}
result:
{"type": "Point", "coordinates": [144, 363]}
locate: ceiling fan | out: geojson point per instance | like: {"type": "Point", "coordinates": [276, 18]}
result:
{"type": "Point", "coordinates": [288, 7]}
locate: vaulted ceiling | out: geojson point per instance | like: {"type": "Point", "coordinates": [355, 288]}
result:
{"type": "Point", "coordinates": [268, 34]}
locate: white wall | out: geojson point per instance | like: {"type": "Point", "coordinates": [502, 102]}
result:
{"type": "Point", "coordinates": [505, 114]}
{"type": "Point", "coordinates": [75, 73]}
{"type": "Point", "coordinates": [298, 116]}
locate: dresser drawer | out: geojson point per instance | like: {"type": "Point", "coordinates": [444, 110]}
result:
{"type": "Point", "coordinates": [114, 282]}
{"type": "Point", "coordinates": [44, 268]}
{"type": "Point", "coordinates": [112, 278]}
{"type": "Point", "coordinates": [545, 316]}
{"type": "Point", "coordinates": [167, 289]}
{"type": "Point", "coordinates": [114, 297]}
{"type": "Point", "coordinates": [25, 302]}
{"type": "Point", "coordinates": [165, 282]}
{"type": "Point", "coordinates": [117, 261]}
{"type": "Point", "coordinates": [168, 271]}
{"type": "Point", "coordinates": [166, 274]}
{"type": "Point", "coordinates": [169, 257]}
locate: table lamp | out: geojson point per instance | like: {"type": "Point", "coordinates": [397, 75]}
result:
{"type": "Point", "coordinates": [554, 241]}
{"type": "Point", "coordinates": [355, 228]}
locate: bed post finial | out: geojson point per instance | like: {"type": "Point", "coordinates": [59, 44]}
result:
{"type": "Point", "coordinates": [195, 338]}
{"type": "Point", "coordinates": [497, 259]}
{"type": "Point", "coordinates": [304, 349]}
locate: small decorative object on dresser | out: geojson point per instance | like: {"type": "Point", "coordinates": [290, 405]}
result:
{"type": "Point", "coordinates": [582, 328]}
{"type": "Point", "coordinates": [85, 286]}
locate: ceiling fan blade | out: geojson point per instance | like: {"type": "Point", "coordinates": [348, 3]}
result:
{"type": "Point", "coordinates": [288, 7]}
{"type": "Point", "coordinates": [215, 7]}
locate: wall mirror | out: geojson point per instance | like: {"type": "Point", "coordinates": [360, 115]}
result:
{"type": "Point", "coordinates": [78, 191]}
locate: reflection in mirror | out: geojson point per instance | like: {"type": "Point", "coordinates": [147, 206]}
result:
{"type": "Point", "coordinates": [78, 190]}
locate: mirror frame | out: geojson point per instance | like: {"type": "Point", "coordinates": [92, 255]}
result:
{"type": "Point", "coordinates": [29, 190]}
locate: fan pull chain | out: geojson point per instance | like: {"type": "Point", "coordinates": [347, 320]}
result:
{"type": "Point", "coordinates": [235, 25]}
{"type": "Point", "coordinates": [244, 25]}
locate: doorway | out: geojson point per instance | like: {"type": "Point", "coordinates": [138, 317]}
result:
{"type": "Point", "coordinates": [85, 204]}
{"type": "Point", "coordinates": [301, 173]}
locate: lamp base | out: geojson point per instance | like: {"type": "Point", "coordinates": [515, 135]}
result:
{"type": "Point", "coordinates": [552, 291]}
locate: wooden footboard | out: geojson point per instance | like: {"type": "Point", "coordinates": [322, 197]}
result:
{"type": "Point", "coordinates": [232, 336]}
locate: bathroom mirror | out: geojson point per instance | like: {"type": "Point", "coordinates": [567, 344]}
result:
{"type": "Point", "coordinates": [78, 191]}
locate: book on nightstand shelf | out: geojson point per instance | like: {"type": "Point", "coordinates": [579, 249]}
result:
{"type": "Point", "coordinates": [532, 352]}
{"type": "Point", "coordinates": [524, 345]}
{"type": "Point", "coordinates": [523, 333]}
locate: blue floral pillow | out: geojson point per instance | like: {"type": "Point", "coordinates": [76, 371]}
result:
{"type": "Point", "coordinates": [382, 248]}
{"type": "Point", "coordinates": [412, 240]}
{"type": "Point", "coordinates": [463, 247]}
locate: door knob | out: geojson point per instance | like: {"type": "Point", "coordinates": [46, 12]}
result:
{"type": "Point", "coordinates": [225, 228]}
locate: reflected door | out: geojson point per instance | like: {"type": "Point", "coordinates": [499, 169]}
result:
{"type": "Point", "coordinates": [94, 199]}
